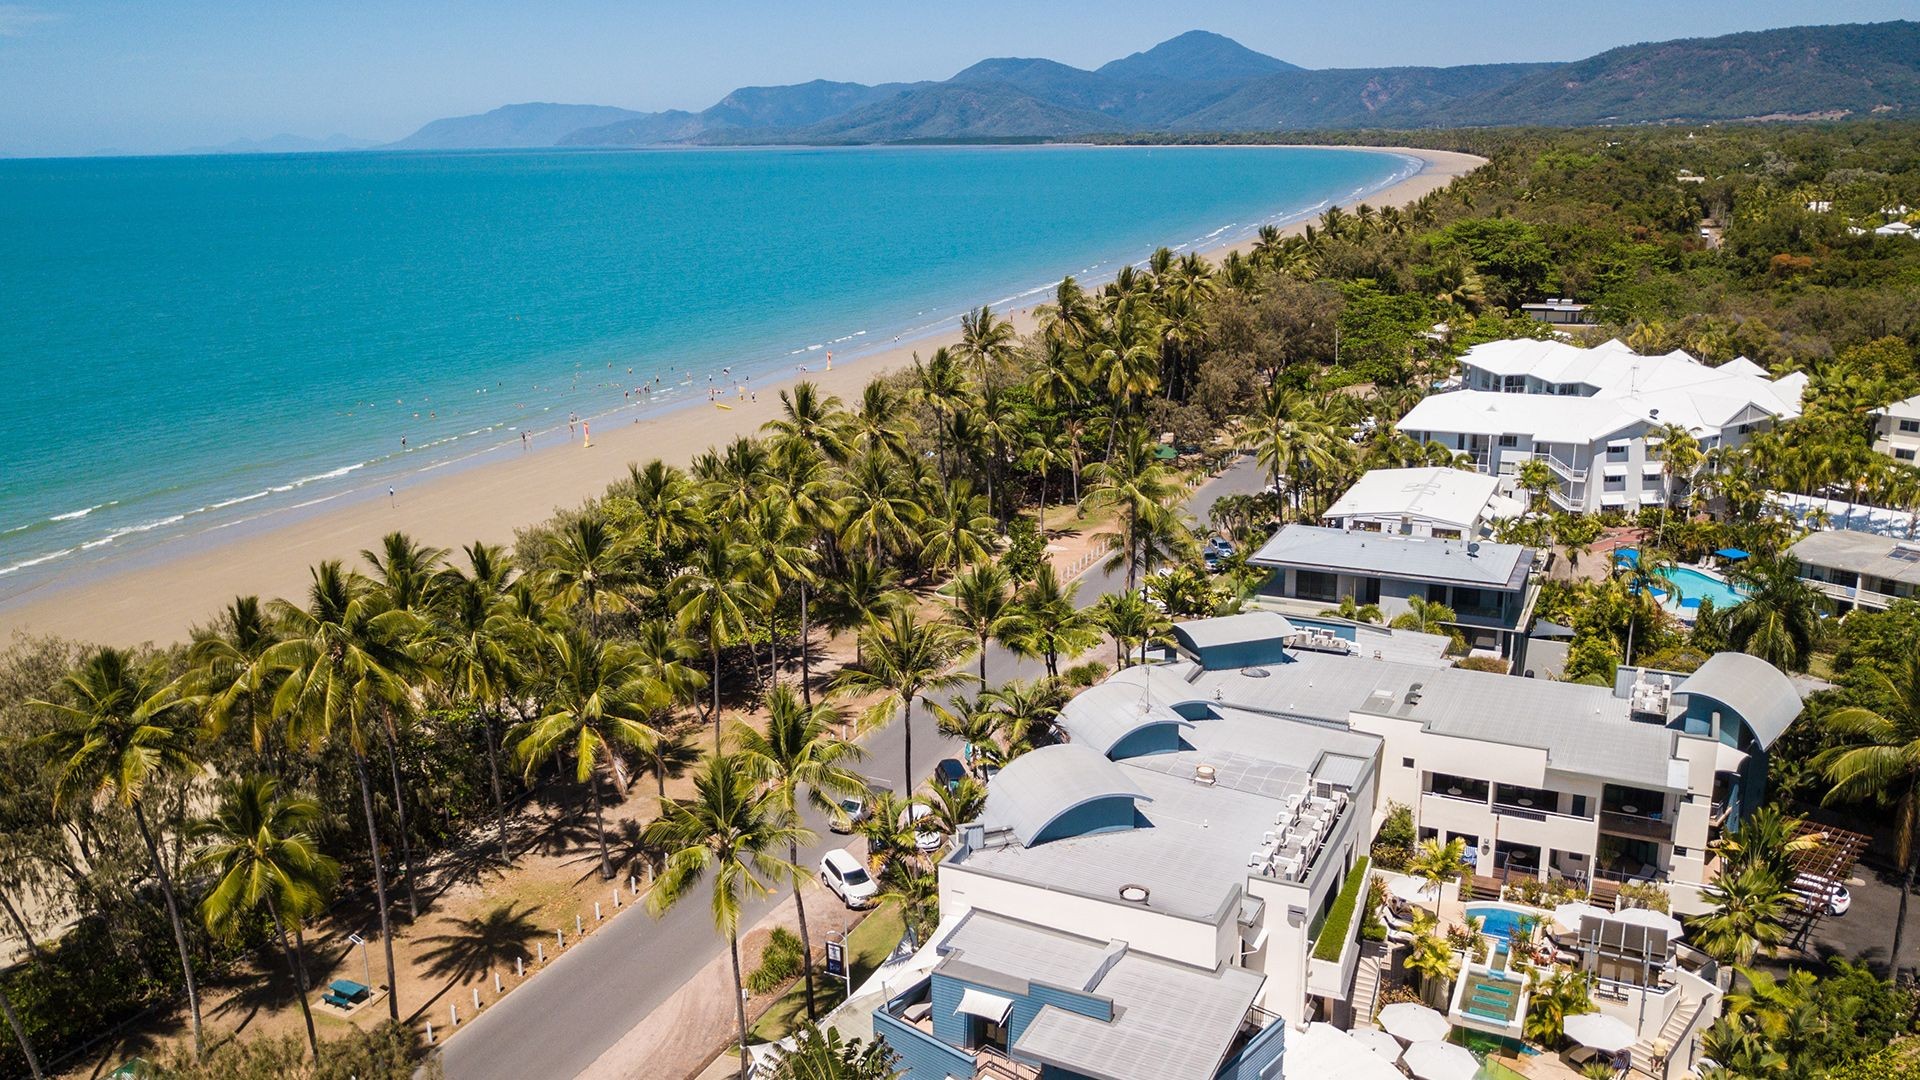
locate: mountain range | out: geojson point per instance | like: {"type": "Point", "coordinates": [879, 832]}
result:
{"type": "Point", "coordinates": [1203, 82]}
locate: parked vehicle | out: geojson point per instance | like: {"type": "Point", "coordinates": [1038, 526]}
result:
{"type": "Point", "coordinates": [849, 880]}
{"type": "Point", "coordinates": [1811, 889]}
{"type": "Point", "coordinates": [924, 840]}
{"type": "Point", "coordinates": [949, 772]}
{"type": "Point", "coordinates": [853, 811]}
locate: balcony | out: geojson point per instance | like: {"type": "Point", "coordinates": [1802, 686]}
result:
{"type": "Point", "coordinates": [1853, 595]}
{"type": "Point", "coordinates": [1566, 470]}
{"type": "Point", "coordinates": [1636, 826]}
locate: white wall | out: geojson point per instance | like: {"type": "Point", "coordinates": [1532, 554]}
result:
{"type": "Point", "coordinates": [1156, 933]}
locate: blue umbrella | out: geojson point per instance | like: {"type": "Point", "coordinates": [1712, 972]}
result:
{"type": "Point", "coordinates": [1731, 553]}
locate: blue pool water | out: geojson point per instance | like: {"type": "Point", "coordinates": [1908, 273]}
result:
{"type": "Point", "coordinates": [191, 342]}
{"type": "Point", "coordinates": [1499, 923]}
{"type": "Point", "coordinates": [1695, 586]}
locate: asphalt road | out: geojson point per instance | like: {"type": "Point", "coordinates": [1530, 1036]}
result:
{"type": "Point", "coordinates": [588, 998]}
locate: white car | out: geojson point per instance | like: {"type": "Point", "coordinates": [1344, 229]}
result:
{"type": "Point", "coordinates": [1809, 888]}
{"type": "Point", "coordinates": [853, 811]}
{"type": "Point", "coordinates": [924, 840]}
{"type": "Point", "coordinates": [849, 880]}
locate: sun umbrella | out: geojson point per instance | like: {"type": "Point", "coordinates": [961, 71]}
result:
{"type": "Point", "coordinates": [1378, 1041]}
{"type": "Point", "coordinates": [1600, 1031]}
{"type": "Point", "coordinates": [1440, 1061]}
{"type": "Point", "coordinates": [1567, 917]}
{"type": "Point", "coordinates": [1414, 1022]}
{"type": "Point", "coordinates": [1413, 890]}
{"type": "Point", "coordinates": [1652, 920]}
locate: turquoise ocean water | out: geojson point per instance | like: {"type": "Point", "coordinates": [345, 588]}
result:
{"type": "Point", "coordinates": [195, 343]}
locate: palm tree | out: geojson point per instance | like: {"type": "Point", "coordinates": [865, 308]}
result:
{"type": "Point", "coordinates": [942, 387]}
{"type": "Point", "coordinates": [223, 669]}
{"type": "Point", "coordinates": [886, 830]}
{"type": "Point", "coordinates": [982, 604]}
{"type": "Point", "coordinates": [800, 763]}
{"type": "Point", "coordinates": [1750, 913]}
{"type": "Point", "coordinates": [1130, 620]}
{"type": "Point", "coordinates": [1555, 996]}
{"type": "Point", "coordinates": [120, 731]}
{"type": "Point", "coordinates": [985, 339]}
{"type": "Point", "coordinates": [476, 631]}
{"type": "Point", "coordinates": [666, 505]}
{"type": "Point", "coordinates": [729, 833]}
{"type": "Point", "coordinates": [808, 419]}
{"type": "Point", "coordinates": [902, 656]}
{"type": "Point", "coordinates": [1882, 763]}
{"type": "Point", "coordinates": [1429, 956]}
{"type": "Point", "coordinates": [1055, 622]}
{"type": "Point", "coordinates": [862, 592]}
{"type": "Point", "coordinates": [950, 809]}
{"type": "Point", "coordinates": [260, 847]}
{"type": "Point", "coordinates": [960, 526]}
{"type": "Point", "coordinates": [1425, 616]}
{"type": "Point", "coordinates": [343, 659]}
{"type": "Point", "coordinates": [1435, 861]}
{"type": "Point", "coordinates": [1780, 617]}
{"type": "Point", "coordinates": [818, 1055]}
{"type": "Point", "coordinates": [1536, 479]}
{"type": "Point", "coordinates": [1133, 483]}
{"type": "Point", "coordinates": [878, 512]}
{"type": "Point", "coordinates": [716, 594]}
{"type": "Point", "coordinates": [590, 568]}
{"type": "Point", "coordinates": [975, 723]}
{"type": "Point", "coordinates": [1026, 708]}
{"type": "Point", "coordinates": [883, 424]}
{"type": "Point", "coordinates": [598, 703]}
{"type": "Point", "coordinates": [1287, 440]}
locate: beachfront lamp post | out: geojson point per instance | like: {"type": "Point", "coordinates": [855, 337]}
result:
{"type": "Point", "coordinates": [366, 967]}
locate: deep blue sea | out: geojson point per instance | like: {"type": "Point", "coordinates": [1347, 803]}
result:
{"type": "Point", "coordinates": [189, 343]}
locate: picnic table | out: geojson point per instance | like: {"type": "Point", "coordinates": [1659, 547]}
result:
{"type": "Point", "coordinates": [345, 993]}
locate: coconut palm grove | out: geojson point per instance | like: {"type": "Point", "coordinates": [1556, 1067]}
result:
{"type": "Point", "coordinates": [680, 673]}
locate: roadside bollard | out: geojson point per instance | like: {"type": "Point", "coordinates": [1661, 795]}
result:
{"type": "Point", "coordinates": [476, 1001]}
{"type": "Point", "coordinates": [561, 937]}
{"type": "Point", "coordinates": [454, 1011]}
{"type": "Point", "coordinates": [633, 885]}
{"type": "Point", "coordinates": [616, 897]}
{"type": "Point", "coordinates": [519, 967]}
{"type": "Point", "coordinates": [596, 911]}
{"type": "Point", "coordinates": [541, 948]}
{"type": "Point", "coordinates": [496, 983]}
{"type": "Point", "coordinates": [577, 928]}
{"type": "Point", "coordinates": [429, 1033]}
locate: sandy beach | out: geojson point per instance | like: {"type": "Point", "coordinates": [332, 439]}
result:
{"type": "Point", "coordinates": [163, 593]}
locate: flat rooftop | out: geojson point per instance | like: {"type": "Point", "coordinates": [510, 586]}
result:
{"type": "Point", "coordinates": [1449, 496]}
{"type": "Point", "coordinates": [1406, 558]}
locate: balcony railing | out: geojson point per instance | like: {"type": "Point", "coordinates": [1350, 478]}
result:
{"type": "Point", "coordinates": [1565, 469]}
{"type": "Point", "coordinates": [1635, 825]}
{"type": "Point", "coordinates": [1852, 594]}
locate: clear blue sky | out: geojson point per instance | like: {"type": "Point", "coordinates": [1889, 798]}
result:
{"type": "Point", "coordinates": [153, 75]}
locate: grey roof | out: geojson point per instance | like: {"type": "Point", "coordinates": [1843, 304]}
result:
{"type": "Point", "coordinates": [1406, 558]}
{"type": "Point", "coordinates": [1015, 951]}
{"type": "Point", "coordinates": [1764, 698]}
{"type": "Point", "coordinates": [1861, 553]}
{"type": "Point", "coordinates": [1170, 1021]}
{"type": "Point", "coordinates": [1036, 788]}
{"type": "Point", "coordinates": [1102, 715]}
{"type": "Point", "coordinates": [1199, 634]}
{"type": "Point", "coordinates": [1341, 770]}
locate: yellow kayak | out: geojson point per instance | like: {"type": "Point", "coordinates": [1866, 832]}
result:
{"type": "Point", "coordinates": [717, 405]}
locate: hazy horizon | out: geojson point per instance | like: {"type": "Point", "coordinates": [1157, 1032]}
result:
{"type": "Point", "coordinates": [87, 76]}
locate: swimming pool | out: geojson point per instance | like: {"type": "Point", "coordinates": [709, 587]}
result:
{"type": "Point", "coordinates": [1696, 585]}
{"type": "Point", "coordinates": [1497, 921]}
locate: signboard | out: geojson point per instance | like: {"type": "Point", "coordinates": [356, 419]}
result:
{"type": "Point", "coordinates": [836, 958]}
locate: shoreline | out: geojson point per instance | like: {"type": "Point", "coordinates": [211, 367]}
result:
{"type": "Point", "coordinates": [159, 594]}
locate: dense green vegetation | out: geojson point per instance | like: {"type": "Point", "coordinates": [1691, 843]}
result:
{"type": "Point", "coordinates": [1333, 932]}
{"type": "Point", "coordinates": [425, 691]}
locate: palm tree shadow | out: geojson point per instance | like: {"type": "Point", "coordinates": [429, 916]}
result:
{"type": "Point", "coordinates": [481, 944]}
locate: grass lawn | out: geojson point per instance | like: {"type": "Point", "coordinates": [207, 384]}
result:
{"type": "Point", "coordinates": [867, 945]}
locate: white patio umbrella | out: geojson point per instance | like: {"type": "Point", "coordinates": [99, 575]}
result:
{"type": "Point", "coordinates": [1652, 920]}
{"type": "Point", "coordinates": [1567, 917]}
{"type": "Point", "coordinates": [1380, 1042]}
{"type": "Point", "coordinates": [1413, 890]}
{"type": "Point", "coordinates": [1600, 1031]}
{"type": "Point", "coordinates": [1440, 1061]}
{"type": "Point", "coordinates": [1414, 1022]}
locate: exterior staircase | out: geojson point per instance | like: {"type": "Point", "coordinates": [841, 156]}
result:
{"type": "Point", "coordinates": [1367, 976]}
{"type": "Point", "coordinates": [1671, 1033]}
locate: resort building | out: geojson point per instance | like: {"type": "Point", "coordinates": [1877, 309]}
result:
{"type": "Point", "coordinates": [1896, 430]}
{"type": "Point", "coordinates": [1488, 586]}
{"type": "Point", "coordinates": [1859, 569]}
{"type": "Point", "coordinates": [1595, 416]}
{"type": "Point", "coordinates": [1176, 869]}
{"type": "Point", "coordinates": [1451, 504]}
{"type": "Point", "coordinates": [1557, 312]}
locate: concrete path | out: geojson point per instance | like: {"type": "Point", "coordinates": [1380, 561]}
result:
{"type": "Point", "coordinates": [587, 1002]}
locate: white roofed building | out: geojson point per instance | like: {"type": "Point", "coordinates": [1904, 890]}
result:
{"type": "Point", "coordinates": [1896, 430]}
{"type": "Point", "coordinates": [1446, 503]}
{"type": "Point", "coordinates": [1595, 415]}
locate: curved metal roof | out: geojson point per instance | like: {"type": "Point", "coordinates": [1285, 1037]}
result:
{"type": "Point", "coordinates": [1104, 714]}
{"type": "Point", "coordinates": [1764, 697]}
{"type": "Point", "coordinates": [1037, 787]}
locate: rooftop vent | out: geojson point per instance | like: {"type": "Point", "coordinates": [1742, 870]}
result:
{"type": "Point", "coordinates": [1133, 894]}
{"type": "Point", "coordinates": [1203, 774]}
{"type": "Point", "coordinates": [1413, 693]}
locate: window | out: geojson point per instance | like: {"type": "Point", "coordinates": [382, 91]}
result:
{"type": "Point", "coordinates": [1910, 426]}
{"type": "Point", "coordinates": [1316, 585]}
{"type": "Point", "coordinates": [1579, 807]}
{"type": "Point", "coordinates": [1903, 455]}
{"type": "Point", "coordinates": [1406, 763]}
{"type": "Point", "coordinates": [1680, 852]}
{"type": "Point", "coordinates": [1509, 441]}
{"type": "Point", "coordinates": [1616, 453]}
